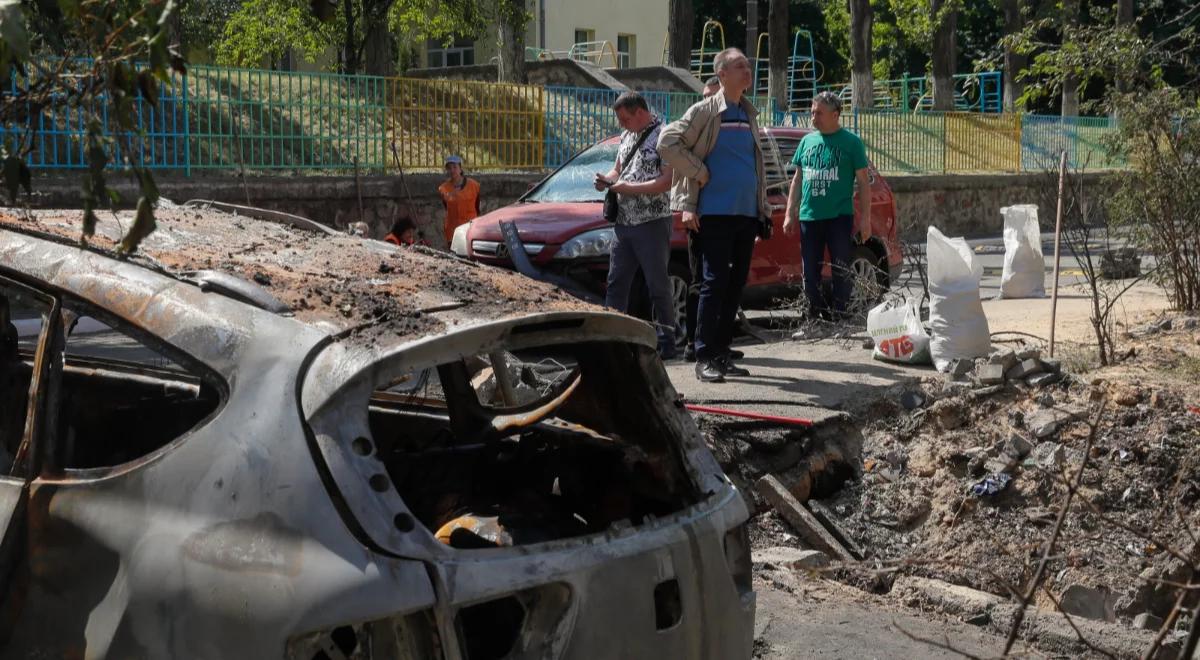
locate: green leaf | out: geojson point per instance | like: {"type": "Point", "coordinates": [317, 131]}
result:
{"type": "Point", "coordinates": [143, 226]}
{"type": "Point", "coordinates": [12, 28]}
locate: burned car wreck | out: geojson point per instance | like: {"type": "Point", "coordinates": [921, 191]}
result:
{"type": "Point", "coordinates": [252, 440]}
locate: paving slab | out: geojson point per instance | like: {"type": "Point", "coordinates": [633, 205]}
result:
{"type": "Point", "coordinates": [815, 380]}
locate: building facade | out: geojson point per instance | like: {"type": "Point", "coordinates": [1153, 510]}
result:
{"type": "Point", "coordinates": [612, 34]}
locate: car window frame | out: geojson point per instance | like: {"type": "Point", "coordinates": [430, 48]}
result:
{"type": "Point", "coordinates": [29, 458]}
{"type": "Point", "coordinates": [47, 441]}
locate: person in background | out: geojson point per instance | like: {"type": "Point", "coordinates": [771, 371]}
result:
{"type": "Point", "coordinates": [643, 225]}
{"type": "Point", "coordinates": [720, 188]}
{"type": "Point", "coordinates": [403, 232]}
{"type": "Point", "coordinates": [460, 194]}
{"type": "Point", "coordinates": [828, 162]}
{"type": "Point", "coordinates": [711, 86]}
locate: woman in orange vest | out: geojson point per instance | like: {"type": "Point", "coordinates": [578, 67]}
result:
{"type": "Point", "coordinates": [460, 194]}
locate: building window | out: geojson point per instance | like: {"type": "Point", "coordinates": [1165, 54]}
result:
{"type": "Point", "coordinates": [626, 51]}
{"type": "Point", "coordinates": [583, 36]}
{"type": "Point", "coordinates": [459, 53]}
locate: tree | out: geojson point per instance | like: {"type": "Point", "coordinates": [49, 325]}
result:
{"type": "Point", "coordinates": [1070, 88]}
{"type": "Point", "coordinates": [679, 33]}
{"type": "Point", "coordinates": [944, 53]}
{"type": "Point", "coordinates": [861, 76]}
{"type": "Point", "coordinates": [510, 20]}
{"type": "Point", "coordinates": [777, 54]}
{"type": "Point", "coordinates": [96, 57]}
{"type": "Point", "coordinates": [1014, 62]}
{"type": "Point", "coordinates": [360, 30]}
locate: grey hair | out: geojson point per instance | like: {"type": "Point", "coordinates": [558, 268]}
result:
{"type": "Point", "coordinates": [830, 100]}
{"type": "Point", "coordinates": [724, 56]}
{"type": "Point", "coordinates": [713, 82]}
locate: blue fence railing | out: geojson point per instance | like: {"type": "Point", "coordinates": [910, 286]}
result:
{"type": "Point", "coordinates": [220, 119]}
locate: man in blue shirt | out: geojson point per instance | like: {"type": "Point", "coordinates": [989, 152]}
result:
{"type": "Point", "coordinates": [719, 186]}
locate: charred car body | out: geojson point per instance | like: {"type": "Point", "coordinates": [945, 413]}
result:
{"type": "Point", "coordinates": [256, 440]}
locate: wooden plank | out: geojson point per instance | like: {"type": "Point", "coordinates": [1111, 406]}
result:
{"type": "Point", "coordinates": [808, 528]}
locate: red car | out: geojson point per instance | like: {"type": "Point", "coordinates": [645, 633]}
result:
{"type": "Point", "coordinates": [567, 239]}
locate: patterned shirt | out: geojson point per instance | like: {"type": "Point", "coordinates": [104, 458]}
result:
{"type": "Point", "coordinates": [645, 166]}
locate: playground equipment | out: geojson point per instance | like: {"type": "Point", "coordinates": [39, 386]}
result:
{"type": "Point", "coordinates": [973, 92]}
{"type": "Point", "coordinates": [712, 41]}
{"type": "Point", "coordinates": [803, 71]}
{"type": "Point", "coordinates": [594, 52]}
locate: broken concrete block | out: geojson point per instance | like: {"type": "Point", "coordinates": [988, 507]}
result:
{"type": "Point", "coordinates": [807, 527]}
{"type": "Point", "coordinates": [991, 374]}
{"type": "Point", "coordinates": [970, 604]}
{"type": "Point", "coordinates": [1040, 380]}
{"type": "Point", "coordinates": [795, 559]}
{"type": "Point", "coordinates": [1029, 354]}
{"type": "Point", "coordinates": [1189, 323]}
{"type": "Point", "coordinates": [1017, 446]}
{"type": "Point", "coordinates": [1087, 602]}
{"type": "Point", "coordinates": [1024, 369]}
{"type": "Point", "coordinates": [1046, 422]}
{"type": "Point", "coordinates": [956, 387]}
{"type": "Point", "coordinates": [1004, 357]}
{"type": "Point", "coordinates": [1005, 464]}
{"type": "Point", "coordinates": [986, 391]}
{"type": "Point", "coordinates": [1049, 456]}
{"type": "Point", "coordinates": [960, 367]}
{"type": "Point", "coordinates": [1147, 621]}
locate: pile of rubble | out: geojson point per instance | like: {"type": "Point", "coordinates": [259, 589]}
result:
{"type": "Point", "coordinates": [963, 477]}
{"type": "Point", "coordinates": [1004, 365]}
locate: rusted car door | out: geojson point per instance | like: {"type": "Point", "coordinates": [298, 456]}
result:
{"type": "Point", "coordinates": [25, 318]}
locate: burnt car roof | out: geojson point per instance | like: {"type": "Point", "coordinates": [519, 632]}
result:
{"type": "Point", "coordinates": [340, 284]}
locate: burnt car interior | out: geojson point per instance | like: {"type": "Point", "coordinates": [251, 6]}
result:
{"type": "Point", "coordinates": [510, 449]}
{"type": "Point", "coordinates": [120, 397]}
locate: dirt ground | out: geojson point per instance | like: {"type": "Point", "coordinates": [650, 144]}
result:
{"type": "Point", "coordinates": [908, 503]}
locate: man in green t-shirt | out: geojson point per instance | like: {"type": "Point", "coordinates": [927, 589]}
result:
{"type": "Point", "coordinates": [828, 162]}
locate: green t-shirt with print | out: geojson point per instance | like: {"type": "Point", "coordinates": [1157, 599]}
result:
{"type": "Point", "coordinates": [827, 164]}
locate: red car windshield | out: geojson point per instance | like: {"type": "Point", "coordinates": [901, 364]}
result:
{"type": "Point", "coordinates": [573, 181]}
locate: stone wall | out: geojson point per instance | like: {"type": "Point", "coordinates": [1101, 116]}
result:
{"type": "Point", "coordinates": [969, 204]}
{"type": "Point", "coordinates": [658, 79]}
{"type": "Point", "coordinates": [329, 200]}
{"type": "Point", "coordinates": [561, 73]}
{"type": "Point", "coordinates": [958, 204]}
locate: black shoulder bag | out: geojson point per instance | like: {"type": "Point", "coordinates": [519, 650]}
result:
{"type": "Point", "coordinates": [611, 207]}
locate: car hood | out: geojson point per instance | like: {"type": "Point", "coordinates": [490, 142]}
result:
{"type": "Point", "coordinates": [550, 223]}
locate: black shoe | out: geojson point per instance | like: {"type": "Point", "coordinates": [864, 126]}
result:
{"type": "Point", "coordinates": [689, 353]}
{"type": "Point", "coordinates": [708, 371]}
{"type": "Point", "coordinates": [735, 354]}
{"type": "Point", "coordinates": [667, 351]}
{"type": "Point", "coordinates": [728, 368]}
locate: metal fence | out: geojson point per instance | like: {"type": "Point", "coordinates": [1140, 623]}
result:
{"type": "Point", "coordinates": [227, 119]}
{"type": "Point", "coordinates": [492, 126]}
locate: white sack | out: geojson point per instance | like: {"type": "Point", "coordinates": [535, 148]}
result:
{"type": "Point", "coordinates": [956, 321]}
{"type": "Point", "coordinates": [897, 332]}
{"type": "Point", "coordinates": [1024, 266]}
